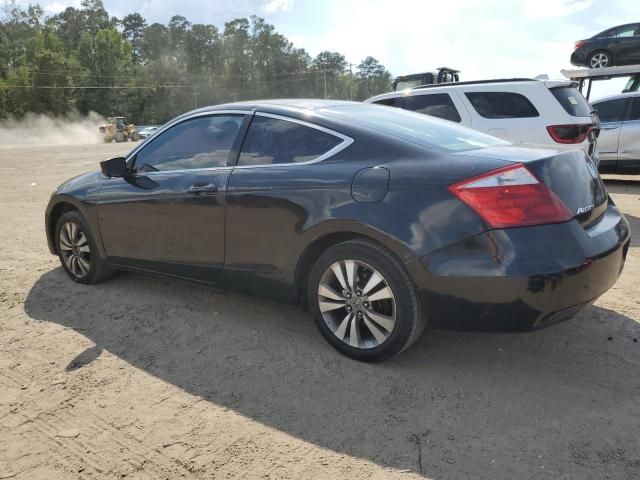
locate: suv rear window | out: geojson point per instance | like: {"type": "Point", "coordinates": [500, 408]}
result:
{"type": "Point", "coordinates": [572, 101]}
{"type": "Point", "coordinates": [502, 105]}
{"type": "Point", "coordinates": [437, 105]}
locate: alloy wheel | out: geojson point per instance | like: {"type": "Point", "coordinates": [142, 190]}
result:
{"type": "Point", "coordinates": [74, 249]}
{"type": "Point", "coordinates": [357, 304]}
{"type": "Point", "coordinates": [599, 60]}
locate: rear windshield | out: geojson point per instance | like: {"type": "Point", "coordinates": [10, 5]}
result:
{"type": "Point", "coordinates": [416, 128]}
{"type": "Point", "coordinates": [572, 101]}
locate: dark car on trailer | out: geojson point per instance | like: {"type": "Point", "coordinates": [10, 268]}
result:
{"type": "Point", "coordinates": [379, 221]}
{"type": "Point", "coordinates": [616, 46]}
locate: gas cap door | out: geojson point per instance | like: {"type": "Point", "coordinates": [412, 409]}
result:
{"type": "Point", "coordinates": [370, 185]}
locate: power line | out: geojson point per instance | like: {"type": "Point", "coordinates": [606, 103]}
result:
{"type": "Point", "coordinates": [141, 87]}
{"type": "Point", "coordinates": [149, 76]}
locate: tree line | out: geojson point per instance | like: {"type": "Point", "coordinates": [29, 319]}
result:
{"type": "Point", "coordinates": [82, 59]}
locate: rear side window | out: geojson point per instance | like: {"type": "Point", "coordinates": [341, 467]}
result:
{"type": "Point", "coordinates": [628, 31]}
{"type": "Point", "coordinates": [611, 110]}
{"type": "Point", "coordinates": [572, 101]}
{"type": "Point", "coordinates": [437, 105]}
{"type": "Point", "coordinates": [271, 141]}
{"type": "Point", "coordinates": [502, 105]}
{"type": "Point", "coordinates": [415, 128]}
{"type": "Point", "coordinates": [635, 109]}
{"type": "Point", "coordinates": [611, 33]}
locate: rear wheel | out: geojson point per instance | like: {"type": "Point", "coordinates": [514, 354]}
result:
{"type": "Point", "coordinates": [77, 250]}
{"type": "Point", "coordinates": [363, 301]}
{"type": "Point", "coordinates": [600, 59]}
{"type": "Point", "coordinates": [135, 136]}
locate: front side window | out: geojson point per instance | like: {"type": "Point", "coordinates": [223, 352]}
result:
{"type": "Point", "coordinates": [611, 110]}
{"type": "Point", "coordinates": [271, 141]}
{"type": "Point", "coordinates": [496, 105]}
{"type": "Point", "coordinates": [437, 105]}
{"type": "Point", "coordinates": [202, 142]}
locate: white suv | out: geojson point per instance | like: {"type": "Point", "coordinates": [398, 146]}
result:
{"type": "Point", "coordinates": [519, 110]}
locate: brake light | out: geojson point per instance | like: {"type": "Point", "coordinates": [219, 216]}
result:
{"type": "Point", "coordinates": [511, 197]}
{"type": "Point", "coordinates": [569, 133]}
{"type": "Point", "coordinates": [579, 44]}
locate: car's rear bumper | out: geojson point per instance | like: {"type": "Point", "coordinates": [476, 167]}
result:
{"type": "Point", "coordinates": [523, 278]}
{"type": "Point", "coordinates": [579, 57]}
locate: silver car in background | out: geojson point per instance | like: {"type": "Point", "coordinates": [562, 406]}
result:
{"type": "Point", "coordinates": [619, 140]}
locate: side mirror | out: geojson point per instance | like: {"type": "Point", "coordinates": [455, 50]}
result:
{"type": "Point", "coordinates": [114, 167]}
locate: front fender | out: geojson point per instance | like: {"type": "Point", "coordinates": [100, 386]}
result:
{"type": "Point", "coordinates": [79, 193]}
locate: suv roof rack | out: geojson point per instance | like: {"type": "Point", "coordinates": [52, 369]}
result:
{"type": "Point", "coordinates": [477, 82]}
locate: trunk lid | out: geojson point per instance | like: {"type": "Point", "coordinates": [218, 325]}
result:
{"type": "Point", "coordinates": [571, 175]}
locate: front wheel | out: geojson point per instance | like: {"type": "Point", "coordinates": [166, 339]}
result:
{"type": "Point", "coordinates": [77, 250]}
{"type": "Point", "coordinates": [600, 60]}
{"type": "Point", "coordinates": [363, 301]}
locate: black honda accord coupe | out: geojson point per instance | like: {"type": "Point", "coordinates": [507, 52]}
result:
{"type": "Point", "coordinates": [380, 221]}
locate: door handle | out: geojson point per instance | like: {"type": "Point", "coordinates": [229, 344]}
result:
{"type": "Point", "coordinates": [203, 188]}
{"type": "Point", "coordinates": [610, 128]}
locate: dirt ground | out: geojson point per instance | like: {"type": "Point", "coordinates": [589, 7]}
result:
{"type": "Point", "coordinates": [141, 377]}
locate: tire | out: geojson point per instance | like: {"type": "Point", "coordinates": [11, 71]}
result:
{"type": "Point", "coordinates": [119, 137]}
{"type": "Point", "coordinates": [135, 136]}
{"type": "Point", "coordinates": [384, 326]}
{"type": "Point", "coordinates": [600, 59]}
{"type": "Point", "coordinates": [74, 238]}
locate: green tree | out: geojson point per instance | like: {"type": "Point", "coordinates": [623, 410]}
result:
{"type": "Point", "coordinates": [81, 58]}
{"type": "Point", "coordinates": [133, 26]}
{"type": "Point", "coordinates": [372, 78]}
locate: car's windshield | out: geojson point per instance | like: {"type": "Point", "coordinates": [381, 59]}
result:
{"type": "Point", "coordinates": [416, 128]}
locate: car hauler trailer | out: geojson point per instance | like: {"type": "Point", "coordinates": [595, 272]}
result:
{"type": "Point", "coordinates": [589, 75]}
{"type": "Point", "coordinates": [442, 75]}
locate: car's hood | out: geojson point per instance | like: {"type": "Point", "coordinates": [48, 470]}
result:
{"type": "Point", "coordinates": [81, 183]}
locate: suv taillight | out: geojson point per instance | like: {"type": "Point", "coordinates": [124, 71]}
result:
{"type": "Point", "coordinates": [569, 133]}
{"type": "Point", "coordinates": [578, 44]}
{"type": "Point", "coordinates": [511, 197]}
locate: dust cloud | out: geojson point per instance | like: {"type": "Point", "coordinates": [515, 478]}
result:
{"type": "Point", "coordinates": [40, 129]}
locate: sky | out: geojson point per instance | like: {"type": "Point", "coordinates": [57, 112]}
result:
{"type": "Point", "coordinates": [482, 38]}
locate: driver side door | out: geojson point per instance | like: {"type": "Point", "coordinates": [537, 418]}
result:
{"type": "Point", "coordinates": [168, 214]}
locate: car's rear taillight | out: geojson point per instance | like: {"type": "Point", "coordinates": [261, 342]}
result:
{"type": "Point", "coordinates": [511, 197]}
{"type": "Point", "coordinates": [569, 133]}
{"type": "Point", "coordinates": [578, 44]}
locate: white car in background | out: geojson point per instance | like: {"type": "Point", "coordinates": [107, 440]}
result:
{"type": "Point", "coordinates": [619, 140]}
{"type": "Point", "coordinates": [147, 131]}
{"type": "Point", "coordinates": [546, 112]}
